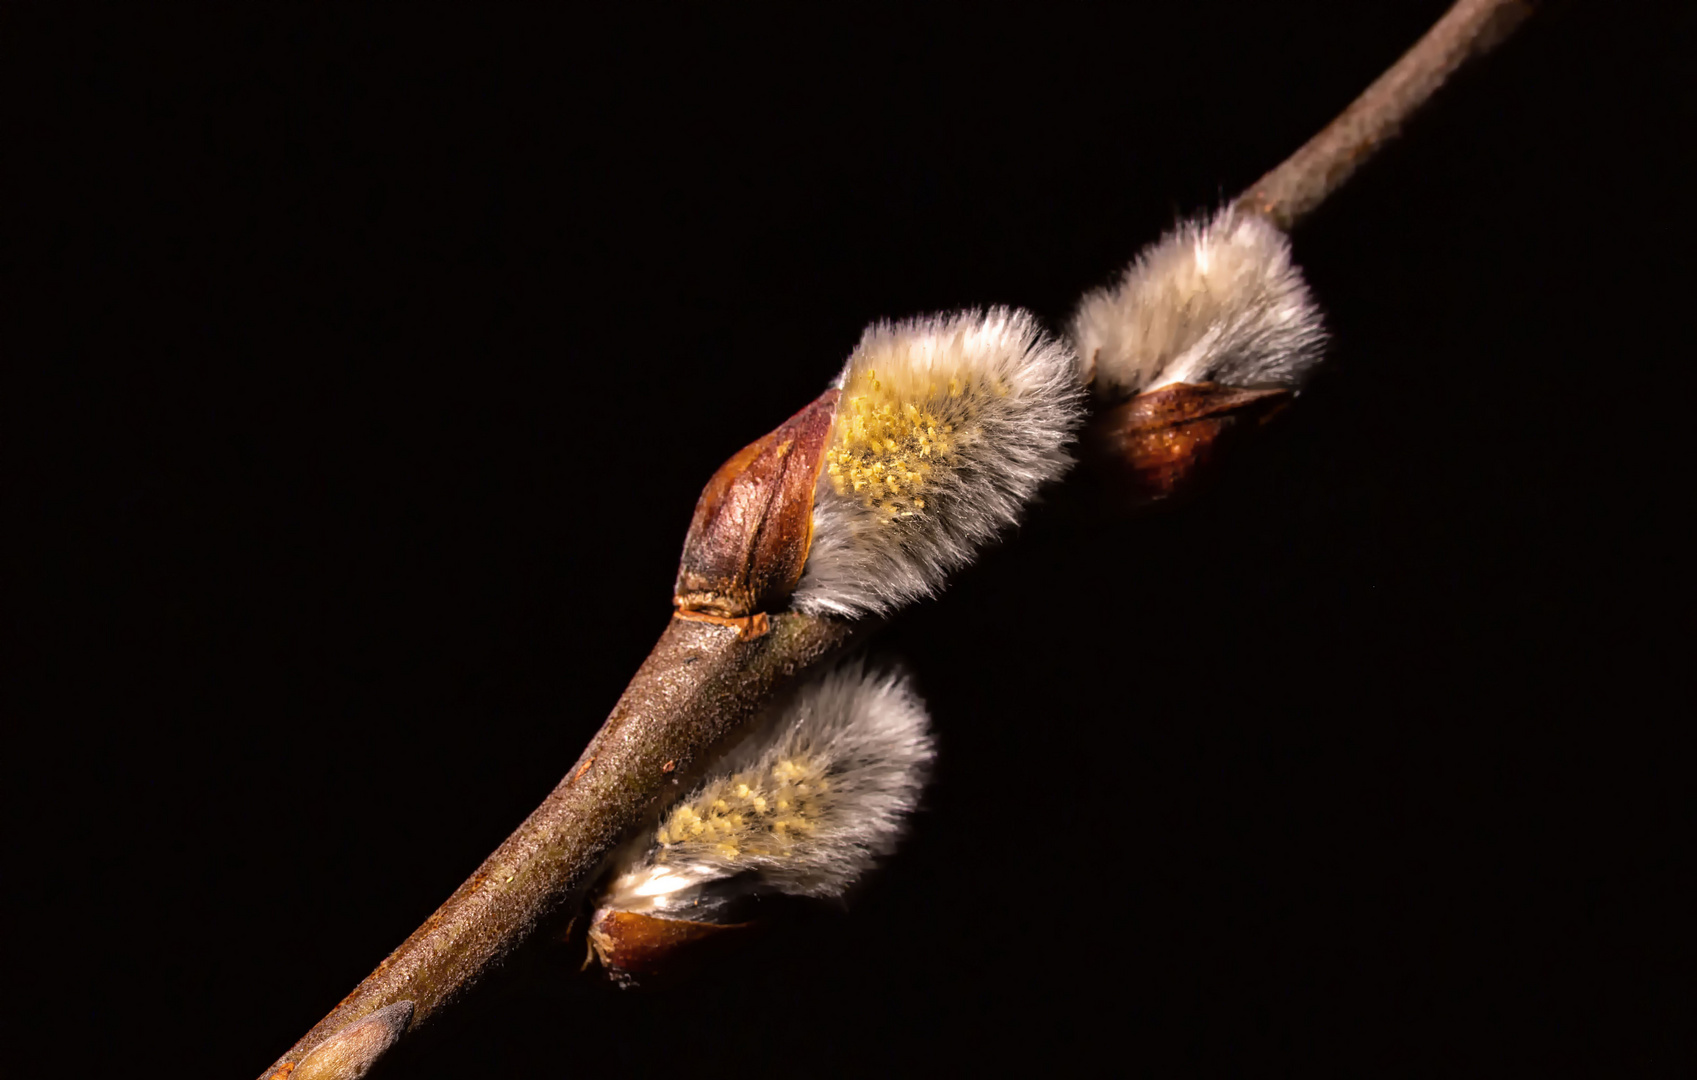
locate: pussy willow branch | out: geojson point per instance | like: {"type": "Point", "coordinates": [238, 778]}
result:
{"type": "Point", "coordinates": [704, 681]}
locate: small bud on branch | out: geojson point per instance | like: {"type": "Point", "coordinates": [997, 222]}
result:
{"type": "Point", "coordinates": [753, 524]}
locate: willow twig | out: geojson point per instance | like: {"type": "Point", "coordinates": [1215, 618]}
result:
{"type": "Point", "coordinates": [1466, 31]}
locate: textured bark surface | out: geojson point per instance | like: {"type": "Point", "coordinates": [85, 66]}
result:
{"type": "Point", "coordinates": [699, 687]}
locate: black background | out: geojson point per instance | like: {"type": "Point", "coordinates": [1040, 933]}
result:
{"type": "Point", "coordinates": [370, 364]}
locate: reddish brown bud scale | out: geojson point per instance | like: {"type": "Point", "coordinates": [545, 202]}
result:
{"type": "Point", "coordinates": [1158, 441]}
{"type": "Point", "coordinates": [629, 943]}
{"type": "Point", "coordinates": [753, 524]}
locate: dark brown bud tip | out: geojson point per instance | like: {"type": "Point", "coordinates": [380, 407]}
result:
{"type": "Point", "coordinates": [753, 524]}
{"type": "Point", "coordinates": [1158, 442]}
{"type": "Point", "coordinates": [352, 1051]}
{"type": "Point", "coordinates": [631, 944]}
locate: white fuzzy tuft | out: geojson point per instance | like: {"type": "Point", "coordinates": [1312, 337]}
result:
{"type": "Point", "coordinates": [946, 428]}
{"type": "Point", "coordinates": [1214, 301]}
{"type": "Point", "coordinates": [805, 807]}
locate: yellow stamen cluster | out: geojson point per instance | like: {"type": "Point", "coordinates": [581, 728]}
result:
{"type": "Point", "coordinates": [892, 437]}
{"type": "Point", "coordinates": [758, 811]}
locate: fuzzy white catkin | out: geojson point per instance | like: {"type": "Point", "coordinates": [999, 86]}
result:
{"type": "Point", "coordinates": [804, 807]}
{"type": "Point", "coordinates": [1215, 300]}
{"type": "Point", "coordinates": [946, 428]}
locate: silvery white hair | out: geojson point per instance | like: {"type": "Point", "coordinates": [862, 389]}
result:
{"type": "Point", "coordinates": [1214, 300]}
{"type": "Point", "coordinates": [803, 807]}
{"type": "Point", "coordinates": [946, 427]}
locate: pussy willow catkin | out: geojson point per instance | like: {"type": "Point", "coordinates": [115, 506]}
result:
{"type": "Point", "coordinates": [946, 427]}
{"type": "Point", "coordinates": [1214, 301]}
{"type": "Point", "coordinates": [804, 807]}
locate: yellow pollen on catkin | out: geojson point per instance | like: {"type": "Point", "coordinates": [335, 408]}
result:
{"type": "Point", "coordinates": [760, 811]}
{"type": "Point", "coordinates": [897, 434]}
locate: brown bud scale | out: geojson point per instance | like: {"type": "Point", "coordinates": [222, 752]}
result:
{"type": "Point", "coordinates": [630, 943]}
{"type": "Point", "coordinates": [753, 524]}
{"type": "Point", "coordinates": [1160, 440]}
